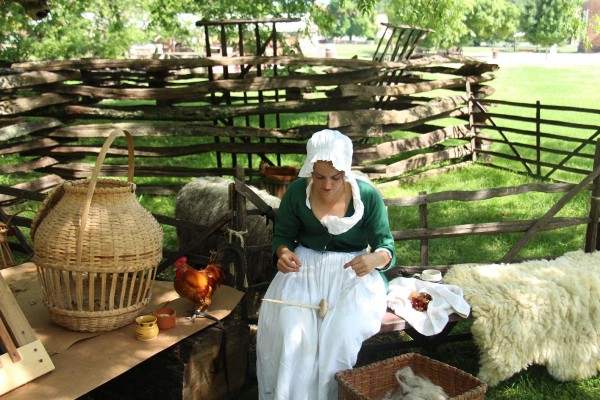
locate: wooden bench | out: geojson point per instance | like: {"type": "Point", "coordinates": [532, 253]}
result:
{"type": "Point", "coordinates": [392, 322]}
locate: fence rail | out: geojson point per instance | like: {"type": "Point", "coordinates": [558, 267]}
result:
{"type": "Point", "coordinates": [53, 115]}
{"type": "Point", "coordinates": [542, 147]}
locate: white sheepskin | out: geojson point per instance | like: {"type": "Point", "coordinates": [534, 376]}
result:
{"type": "Point", "coordinates": [536, 312]}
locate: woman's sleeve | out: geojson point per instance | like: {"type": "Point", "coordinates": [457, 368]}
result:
{"type": "Point", "coordinates": [377, 225]}
{"type": "Point", "coordinates": [287, 221]}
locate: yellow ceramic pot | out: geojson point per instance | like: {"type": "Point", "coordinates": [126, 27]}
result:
{"type": "Point", "coordinates": [146, 328]}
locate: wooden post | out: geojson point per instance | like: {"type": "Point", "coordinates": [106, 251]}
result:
{"type": "Point", "coordinates": [241, 29]}
{"type": "Point", "coordinates": [471, 129]}
{"type": "Point", "coordinates": [591, 234]}
{"type": "Point", "coordinates": [538, 139]}
{"type": "Point", "coordinates": [239, 221]}
{"type": "Point", "coordinates": [25, 358]}
{"type": "Point", "coordinates": [261, 117]}
{"type": "Point", "coordinates": [238, 205]}
{"type": "Point", "coordinates": [211, 77]}
{"type": "Point", "coordinates": [276, 73]}
{"type": "Point", "coordinates": [424, 224]}
{"type": "Point", "coordinates": [227, 94]}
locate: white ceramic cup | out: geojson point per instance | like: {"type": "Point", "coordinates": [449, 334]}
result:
{"type": "Point", "coordinates": [429, 275]}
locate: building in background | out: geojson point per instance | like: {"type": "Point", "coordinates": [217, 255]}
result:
{"type": "Point", "coordinates": [591, 10]}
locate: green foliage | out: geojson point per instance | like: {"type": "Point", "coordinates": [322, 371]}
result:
{"type": "Point", "coordinates": [546, 22]}
{"type": "Point", "coordinates": [164, 14]}
{"type": "Point", "coordinates": [492, 21]}
{"type": "Point", "coordinates": [76, 29]}
{"type": "Point", "coordinates": [343, 18]}
{"type": "Point", "coordinates": [445, 17]}
{"type": "Point", "coordinates": [98, 28]}
{"type": "Point", "coordinates": [14, 42]}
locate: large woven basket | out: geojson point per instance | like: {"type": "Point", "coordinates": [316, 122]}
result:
{"type": "Point", "coordinates": [374, 381]}
{"type": "Point", "coordinates": [96, 250]}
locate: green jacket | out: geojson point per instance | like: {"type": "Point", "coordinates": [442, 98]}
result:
{"type": "Point", "coordinates": [296, 224]}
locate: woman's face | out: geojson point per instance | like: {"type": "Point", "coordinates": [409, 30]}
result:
{"type": "Point", "coordinates": [326, 179]}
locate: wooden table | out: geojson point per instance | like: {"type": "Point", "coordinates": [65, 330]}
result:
{"type": "Point", "coordinates": [84, 361]}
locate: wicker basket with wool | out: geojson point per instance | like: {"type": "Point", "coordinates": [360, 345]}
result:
{"type": "Point", "coordinates": [375, 381]}
{"type": "Point", "coordinates": [96, 250]}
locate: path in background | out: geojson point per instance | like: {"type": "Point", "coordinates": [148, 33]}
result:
{"type": "Point", "coordinates": [526, 58]}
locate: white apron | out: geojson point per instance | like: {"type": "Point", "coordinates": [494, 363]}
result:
{"type": "Point", "coordinates": [298, 353]}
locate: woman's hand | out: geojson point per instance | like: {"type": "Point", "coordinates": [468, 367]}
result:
{"type": "Point", "coordinates": [288, 261]}
{"type": "Point", "coordinates": [365, 263]}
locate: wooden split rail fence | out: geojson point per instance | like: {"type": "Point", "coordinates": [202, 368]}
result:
{"type": "Point", "coordinates": [54, 114]}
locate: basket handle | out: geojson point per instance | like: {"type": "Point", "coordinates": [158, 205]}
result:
{"type": "Point", "coordinates": [9, 225]}
{"type": "Point", "coordinates": [94, 179]}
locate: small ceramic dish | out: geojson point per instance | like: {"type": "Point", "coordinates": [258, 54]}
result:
{"type": "Point", "coordinates": [165, 318]}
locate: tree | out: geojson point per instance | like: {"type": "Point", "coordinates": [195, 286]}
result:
{"type": "Point", "coordinates": [546, 22]}
{"type": "Point", "coordinates": [14, 42]}
{"type": "Point", "coordinates": [93, 28]}
{"type": "Point", "coordinates": [74, 29]}
{"type": "Point", "coordinates": [344, 19]}
{"type": "Point", "coordinates": [100, 28]}
{"type": "Point", "coordinates": [493, 20]}
{"type": "Point", "coordinates": [445, 17]}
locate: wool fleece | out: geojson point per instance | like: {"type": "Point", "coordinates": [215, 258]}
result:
{"type": "Point", "coordinates": [544, 312]}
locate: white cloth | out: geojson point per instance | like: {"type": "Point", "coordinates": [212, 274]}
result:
{"type": "Point", "coordinates": [333, 146]}
{"type": "Point", "coordinates": [336, 225]}
{"type": "Point", "coordinates": [445, 300]}
{"type": "Point", "coordinates": [328, 145]}
{"type": "Point", "coordinates": [298, 353]}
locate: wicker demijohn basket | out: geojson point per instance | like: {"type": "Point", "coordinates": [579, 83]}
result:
{"type": "Point", "coordinates": [374, 381]}
{"type": "Point", "coordinates": [96, 250]}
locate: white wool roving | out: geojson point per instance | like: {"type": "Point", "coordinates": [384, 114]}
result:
{"type": "Point", "coordinates": [415, 387]}
{"type": "Point", "coordinates": [544, 312]}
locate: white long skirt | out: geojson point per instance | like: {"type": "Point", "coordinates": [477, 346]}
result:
{"type": "Point", "coordinates": [298, 353]}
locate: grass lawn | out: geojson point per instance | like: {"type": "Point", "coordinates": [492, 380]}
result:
{"type": "Point", "coordinates": [573, 85]}
{"type": "Point", "coordinates": [552, 85]}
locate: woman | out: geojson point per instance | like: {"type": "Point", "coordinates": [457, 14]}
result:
{"type": "Point", "coordinates": [331, 241]}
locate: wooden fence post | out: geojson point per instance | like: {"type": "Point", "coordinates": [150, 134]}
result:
{"type": "Point", "coordinates": [538, 139]}
{"type": "Point", "coordinates": [423, 224]}
{"type": "Point", "coordinates": [591, 234]}
{"type": "Point", "coordinates": [471, 122]}
{"type": "Point", "coordinates": [237, 203]}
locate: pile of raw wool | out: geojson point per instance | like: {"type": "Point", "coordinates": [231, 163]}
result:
{"type": "Point", "coordinates": [415, 387]}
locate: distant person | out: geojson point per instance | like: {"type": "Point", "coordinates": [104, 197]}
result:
{"type": "Point", "coordinates": [552, 52]}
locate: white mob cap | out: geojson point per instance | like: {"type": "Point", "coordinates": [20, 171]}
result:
{"type": "Point", "coordinates": [328, 145]}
